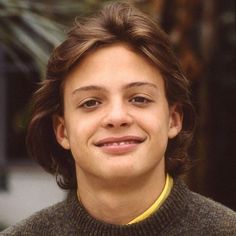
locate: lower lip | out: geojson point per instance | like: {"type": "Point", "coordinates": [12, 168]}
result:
{"type": "Point", "coordinates": [119, 149]}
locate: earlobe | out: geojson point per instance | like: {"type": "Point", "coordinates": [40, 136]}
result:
{"type": "Point", "coordinates": [176, 119]}
{"type": "Point", "coordinates": [60, 131]}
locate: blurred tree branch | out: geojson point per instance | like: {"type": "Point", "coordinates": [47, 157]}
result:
{"type": "Point", "coordinates": [35, 27]}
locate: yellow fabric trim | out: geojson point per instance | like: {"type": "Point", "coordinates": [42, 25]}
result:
{"type": "Point", "coordinates": [156, 205]}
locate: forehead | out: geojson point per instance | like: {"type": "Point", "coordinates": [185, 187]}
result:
{"type": "Point", "coordinates": [113, 65]}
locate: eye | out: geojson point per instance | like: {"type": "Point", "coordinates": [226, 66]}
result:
{"type": "Point", "coordinates": [90, 104]}
{"type": "Point", "coordinates": [140, 100]}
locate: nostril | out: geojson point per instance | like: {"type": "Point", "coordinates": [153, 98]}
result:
{"type": "Point", "coordinates": [110, 125]}
{"type": "Point", "coordinates": [117, 120]}
{"type": "Point", "coordinates": [124, 125]}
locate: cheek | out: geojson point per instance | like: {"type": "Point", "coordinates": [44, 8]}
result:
{"type": "Point", "coordinates": [81, 129]}
{"type": "Point", "coordinates": [154, 122]}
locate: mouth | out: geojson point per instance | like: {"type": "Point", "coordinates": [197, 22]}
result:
{"type": "Point", "coordinates": [119, 141]}
{"type": "Point", "coordinates": [119, 145]}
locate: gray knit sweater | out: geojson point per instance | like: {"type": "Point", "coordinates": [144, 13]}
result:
{"type": "Point", "coordinates": [183, 213]}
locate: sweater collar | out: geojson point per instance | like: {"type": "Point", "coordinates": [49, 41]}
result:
{"type": "Point", "coordinates": [85, 224]}
{"type": "Point", "coordinates": [159, 201]}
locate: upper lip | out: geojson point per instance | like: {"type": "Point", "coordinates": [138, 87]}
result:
{"type": "Point", "coordinates": [119, 139]}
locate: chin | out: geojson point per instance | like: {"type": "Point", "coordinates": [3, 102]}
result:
{"type": "Point", "coordinates": [120, 173]}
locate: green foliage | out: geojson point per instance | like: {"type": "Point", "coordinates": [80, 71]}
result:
{"type": "Point", "coordinates": [35, 27]}
{"type": "Point", "coordinates": [24, 29]}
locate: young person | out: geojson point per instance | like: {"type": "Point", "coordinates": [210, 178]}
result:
{"type": "Point", "coordinates": [113, 121]}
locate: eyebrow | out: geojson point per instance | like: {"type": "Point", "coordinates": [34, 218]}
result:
{"type": "Point", "coordinates": [138, 84]}
{"type": "Point", "coordinates": [99, 88]}
{"type": "Point", "coordinates": [88, 88]}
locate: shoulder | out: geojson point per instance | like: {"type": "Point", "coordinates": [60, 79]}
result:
{"type": "Point", "coordinates": [211, 215]}
{"type": "Point", "coordinates": [198, 215]}
{"type": "Point", "coordinates": [40, 223]}
{"type": "Point", "coordinates": [210, 207]}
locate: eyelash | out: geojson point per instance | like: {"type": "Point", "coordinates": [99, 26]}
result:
{"type": "Point", "coordinates": [134, 100]}
{"type": "Point", "coordinates": [143, 102]}
{"type": "Point", "coordinates": [86, 105]}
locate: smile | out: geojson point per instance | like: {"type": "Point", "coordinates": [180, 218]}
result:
{"type": "Point", "coordinates": [119, 145]}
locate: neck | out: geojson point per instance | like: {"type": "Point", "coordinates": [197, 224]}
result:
{"type": "Point", "coordinates": [119, 201]}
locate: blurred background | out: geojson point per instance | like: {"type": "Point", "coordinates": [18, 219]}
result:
{"type": "Point", "coordinates": [203, 36]}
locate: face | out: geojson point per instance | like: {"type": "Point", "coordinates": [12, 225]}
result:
{"type": "Point", "coordinates": [117, 120]}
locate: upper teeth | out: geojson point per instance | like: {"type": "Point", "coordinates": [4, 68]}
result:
{"type": "Point", "coordinates": [118, 143]}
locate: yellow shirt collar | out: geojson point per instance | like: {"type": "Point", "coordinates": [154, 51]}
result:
{"type": "Point", "coordinates": [156, 205]}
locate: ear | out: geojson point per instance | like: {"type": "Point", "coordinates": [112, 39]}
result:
{"type": "Point", "coordinates": [176, 119]}
{"type": "Point", "coordinates": [60, 131]}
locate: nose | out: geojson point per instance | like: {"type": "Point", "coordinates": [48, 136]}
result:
{"type": "Point", "coordinates": [117, 116]}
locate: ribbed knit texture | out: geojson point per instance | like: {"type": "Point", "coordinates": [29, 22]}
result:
{"type": "Point", "coordinates": [183, 213]}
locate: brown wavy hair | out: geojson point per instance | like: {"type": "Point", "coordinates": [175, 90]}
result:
{"type": "Point", "coordinates": [116, 22]}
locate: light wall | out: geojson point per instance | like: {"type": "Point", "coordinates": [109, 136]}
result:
{"type": "Point", "coordinates": [29, 190]}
